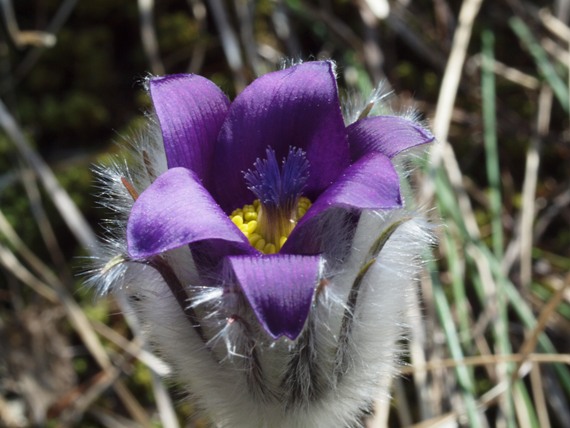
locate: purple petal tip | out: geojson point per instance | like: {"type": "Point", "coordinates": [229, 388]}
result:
{"type": "Point", "coordinates": [279, 289]}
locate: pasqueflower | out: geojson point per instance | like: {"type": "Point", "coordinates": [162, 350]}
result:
{"type": "Point", "coordinates": [270, 243]}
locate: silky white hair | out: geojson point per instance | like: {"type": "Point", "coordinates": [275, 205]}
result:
{"type": "Point", "coordinates": [233, 370]}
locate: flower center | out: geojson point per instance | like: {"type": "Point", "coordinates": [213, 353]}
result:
{"type": "Point", "coordinates": [271, 218]}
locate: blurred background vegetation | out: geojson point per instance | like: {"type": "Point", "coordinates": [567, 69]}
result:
{"type": "Point", "coordinates": [491, 335]}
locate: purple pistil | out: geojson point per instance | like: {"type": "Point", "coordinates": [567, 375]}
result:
{"type": "Point", "coordinates": [279, 188]}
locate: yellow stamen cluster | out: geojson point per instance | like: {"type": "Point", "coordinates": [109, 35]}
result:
{"type": "Point", "coordinates": [266, 236]}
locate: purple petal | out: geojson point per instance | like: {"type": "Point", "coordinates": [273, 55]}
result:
{"type": "Point", "coordinates": [176, 210]}
{"type": "Point", "coordinates": [279, 288]}
{"type": "Point", "coordinates": [296, 107]}
{"type": "Point", "coordinates": [190, 110]}
{"type": "Point", "coordinates": [388, 135]}
{"type": "Point", "coordinates": [369, 183]}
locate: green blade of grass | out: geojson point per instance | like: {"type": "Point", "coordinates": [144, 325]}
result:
{"type": "Point", "coordinates": [464, 377]}
{"type": "Point", "coordinates": [541, 59]}
{"type": "Point", "coordinates": [488, 92]}
{"type": "Point", "coordinates": [501, 340]}
{"type": "Point", "coordinates": [525, 314]}
{"type": "Point", "coordinates": [458, 286]}
{"type": "Point", "coordinates": [490, 138]}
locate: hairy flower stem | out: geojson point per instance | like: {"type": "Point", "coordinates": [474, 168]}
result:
{"type": "Point", "coordinates": [255, 377]}
{"type": "Point", "coordinates": [255, 372]}
{"type": "Point", "coordinates": [177, 290]}
{"type": "Point", "coordinates": [341, 363]}
{"type": "Point", "coordinates": [303, 379]}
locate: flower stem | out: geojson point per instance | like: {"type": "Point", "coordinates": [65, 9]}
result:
{"type": "Point", "coordinates": [177, 290]}
{"type": "Point", "coordinates": [346, 326]}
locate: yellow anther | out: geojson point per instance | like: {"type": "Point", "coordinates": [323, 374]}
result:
{"type": "Point", "coordinates": [304, 202]}
{"type": "Point", "coordinates": [237, 219]}
{"type": "Point", "coordinates": [250, 215]}
{"type": "Point", "coordinates": [243, 229]}
{"type": "Point", "coordinates": [253, 238]}
{"type": "Point", "coordinates": [251, 226]}
{"type": "Point", "coordinates": [269, 249]}
{"type": "Point", "coordinates": [260, 244]}
{"type": "Point", "coordinates": [254, 225]}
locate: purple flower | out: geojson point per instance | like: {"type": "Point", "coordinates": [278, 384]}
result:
{"type": "Point", "coordinates": [270, 256]}
{"type": "Point", "coordinates": [250, 183]}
